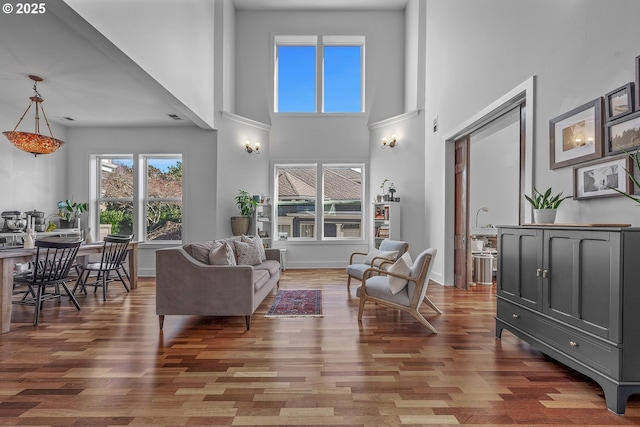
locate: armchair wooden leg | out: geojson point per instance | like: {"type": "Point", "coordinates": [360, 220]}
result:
{"type": "Point", "coordinates": [361, 308]}
{"type": "Point", "coordinates": [161, 320]}
{"type": "Point", "coordinates": [431, 304]}
{"type": "Point", "coordinates": [348, 282]}
{"type": "Point", "coordinates": [420, 318]}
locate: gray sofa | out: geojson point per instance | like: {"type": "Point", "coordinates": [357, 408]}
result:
{"type": "Point", "coordinates": [186, 284]}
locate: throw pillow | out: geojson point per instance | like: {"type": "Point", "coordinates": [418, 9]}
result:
{"type": "Point", "coordinates": [222, 254]}
{"type": "Point", "coordinates": [396, 284]}
{"type": "Point", "coordinates": [387, 255]}
{"type": "Point", "coordinates": [200, 251]}
{"type": "Point", "coordinates": [248, 253]}
{"type": "Point", "coordinates": [370, 256]}
{"type": "Point", "coordinates": [257, 241]}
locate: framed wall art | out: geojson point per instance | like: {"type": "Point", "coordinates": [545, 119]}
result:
{"type": "Point", "coordinates": [600, 178]}
{"type": "Point", "coordinates": [623, 134]}
{"type": "Point", "coordinates": [619, 102]}
{"type": "Point", "coordinates": [637, 82]}
{"type": "Point", "coordinates": [576, 136]}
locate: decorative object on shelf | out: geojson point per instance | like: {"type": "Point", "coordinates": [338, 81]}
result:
{"type": "Point", "coordinates": [386, 143]}
{"type": "Point", "coordinates": [249, 149]}
{"type": "Point", "coordinates": [619, 102]}
{"type": "Point", "coordinates": [240, 224]}
{"type": "Point", "coordinates": [69, 213]}
{"type": "Point", "coordinates": [392, 190]}
{"type": "Point", "coordinates": [34, 143]}
{"type": "Point", "coordinates": [379, 197]}
{"type": "Point", "coordinates": [482, 209]}
{"type": "Point", "coordinates": [545, 206]}
{"type": "Point", "coordinates": [576, 136]}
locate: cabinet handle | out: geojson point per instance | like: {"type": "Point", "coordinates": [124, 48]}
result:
{"type": "Point", "coordinates": [515, 316]}
{"type": "Point", "coordinates": [538, 271]}
{"type": "Point", "coordinates": [545, 273]}
{"type": "Point", "coordinates": [573, 343]}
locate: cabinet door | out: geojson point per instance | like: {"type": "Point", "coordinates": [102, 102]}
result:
{"type": "Point", "coordinates": [582, 279]}
{"type": "Point", "coordinates": [519, 259]}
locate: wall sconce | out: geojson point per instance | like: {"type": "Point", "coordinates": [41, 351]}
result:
{"type": "Point", "coordinates": [389, 143]}
{"type": "Point", "coordinates": [249, 149]}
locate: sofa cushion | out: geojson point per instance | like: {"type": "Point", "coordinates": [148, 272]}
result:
{"type": "Point", "coordinates": [257, 241]}
{"type": "Point", "coordinates": [222, 254]}
{"type": "Point", "coordinates": [269, 265]}
{"type": "Point", "coordinates": [200, 250]}
{"type": "Point", "coordinates": [260, 278]}
{"type": "Point", "coordinates": [248, 253]}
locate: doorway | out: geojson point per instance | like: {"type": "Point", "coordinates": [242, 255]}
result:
{"type": "Point", "coordinates": [458, 206]}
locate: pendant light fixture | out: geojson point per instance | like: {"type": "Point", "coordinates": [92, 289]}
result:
{"type": "Point", "coordinates": [34, 143]}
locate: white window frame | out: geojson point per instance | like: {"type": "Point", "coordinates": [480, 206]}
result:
{"type": "Point", "coordinates": [319, 42]}
{"type": "Point", "coordinates": [319, 218]}
{"type": "Point", "coordinates": [140, 195]}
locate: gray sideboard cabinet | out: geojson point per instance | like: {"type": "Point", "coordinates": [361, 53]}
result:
{"type": "Point", "coordinates": [573, 292]}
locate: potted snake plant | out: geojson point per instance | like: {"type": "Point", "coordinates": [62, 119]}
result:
{"type": "Point", "coordinates": [545, 206]}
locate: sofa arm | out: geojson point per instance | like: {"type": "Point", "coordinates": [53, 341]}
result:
{"type": "Point", "coordinates": [273, 254]}
{"type": "Point", "coordinates": [187, 286]}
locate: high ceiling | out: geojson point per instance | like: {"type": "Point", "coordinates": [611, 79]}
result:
{"type": "Point", "coordinates": [89, 80]}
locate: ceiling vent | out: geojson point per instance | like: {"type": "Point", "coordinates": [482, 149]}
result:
{"type": "Point", "coordinates": [174, 116]}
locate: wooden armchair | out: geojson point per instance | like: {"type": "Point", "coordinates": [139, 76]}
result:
{"type": "Point", "coordinates": [375, 287]}
{"type": "Point", "coordinates": [358, 261]}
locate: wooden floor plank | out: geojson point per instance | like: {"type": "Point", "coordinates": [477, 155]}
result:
{"type": "Point", "coordinates": [109, 364]}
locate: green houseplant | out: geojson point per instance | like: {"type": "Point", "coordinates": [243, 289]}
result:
{"type": "Point", "coordinates": [545, 205]}
{"type": "Point", "coordinates": [240, 224]}
{"type": "Point", "coordinates": [69, 212]}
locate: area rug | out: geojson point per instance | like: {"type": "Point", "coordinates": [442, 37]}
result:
{"type": "Point", "coordinates": [297, 303]}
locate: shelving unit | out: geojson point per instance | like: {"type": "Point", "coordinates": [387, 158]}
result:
{"type": "Point", "coordinates": [262, 223]}
{"type": "Point", "coordinates": [386, 222]}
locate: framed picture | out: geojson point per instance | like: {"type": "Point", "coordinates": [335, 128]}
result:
{"type": "Point", "coordinates": [598, 179]}
{"type": "Point", "coordinates": [623, 134]}
{"type": "Point", "coordinates": [576, 136]}
{"type": "Point", "coordinates": [637, 81]}
{"type": "Point", "coordinates": [619, 102]}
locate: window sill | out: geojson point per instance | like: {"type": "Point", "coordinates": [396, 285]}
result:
{"type": "Point", "coordinates": [327, 115]}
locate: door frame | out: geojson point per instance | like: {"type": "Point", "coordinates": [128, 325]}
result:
{"type": "Point", "coordinates": [523, 93]}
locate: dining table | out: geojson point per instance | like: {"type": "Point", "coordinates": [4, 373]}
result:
{"type": "Point", "coordinates": [11, 256]}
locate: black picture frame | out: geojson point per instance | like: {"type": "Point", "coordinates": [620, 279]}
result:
{"type": "Point", "coordinates": [623, 135]}
{"type": "Point", "coordinates": [619, 102]}
{"type": "Point", "coordinates": [596, 179]}
{"type": "Point", "coordinates": [637, 82]}
{"type": "Point", "coordinates": [576, 136]}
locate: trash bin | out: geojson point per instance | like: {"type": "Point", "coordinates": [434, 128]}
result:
{"type": "Point", "coordinates": [483, 269]}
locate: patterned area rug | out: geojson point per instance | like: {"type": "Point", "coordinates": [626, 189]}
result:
{"type": "Point", "coordinates": [297, 303]}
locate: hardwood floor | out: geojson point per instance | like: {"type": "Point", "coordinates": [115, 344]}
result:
{"type": "Point", "coordinates": [109, 364]}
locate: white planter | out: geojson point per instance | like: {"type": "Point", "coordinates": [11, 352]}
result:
{"type": "Point", "coordinates": [544, 216]}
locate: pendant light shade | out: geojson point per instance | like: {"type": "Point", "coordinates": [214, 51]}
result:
{"type": "Point", "coordinates": [34, 143]}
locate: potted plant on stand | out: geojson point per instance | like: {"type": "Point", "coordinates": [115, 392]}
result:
{"type": "Point", "coordinates": [69, 213]}
{"type": "Point", "coordinates": [545, 206]}
{"type": "Point", "coordinates": [240, 224]}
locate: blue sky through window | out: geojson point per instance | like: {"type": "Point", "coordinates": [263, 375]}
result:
{"type": "Point", "coordinates": [342, 72]}
{"type": "Point", "coordinates": [342, 79]}
{"type": "Point", "coordinates": [296, 79]}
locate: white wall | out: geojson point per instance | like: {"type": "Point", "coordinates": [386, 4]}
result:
{"type": "Point", "coordinates": [173, 41]}
{"type": "Point", "coordinates": [31, 182]}
{"type": "Point", "coordinates": [199, 153]}
{"type": "Point", "coordinates": [578, 50]}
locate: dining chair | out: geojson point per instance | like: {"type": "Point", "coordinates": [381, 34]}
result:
{"type": "Point", "coordinates": [49, 270]}
{"type": "Point", "coordinates": [113, 254]}
{"type": "Point", "coordinates": [377, 287]}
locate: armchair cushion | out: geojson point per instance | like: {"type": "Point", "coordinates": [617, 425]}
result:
{"type": "Point", "coordinates": [378, 286]}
